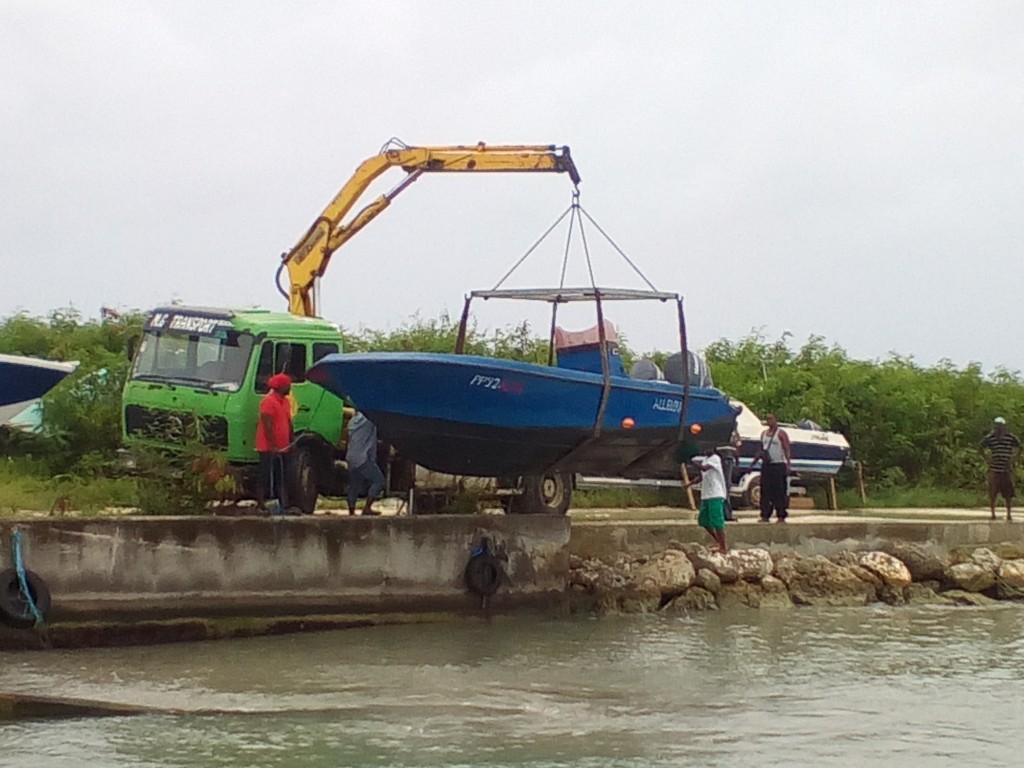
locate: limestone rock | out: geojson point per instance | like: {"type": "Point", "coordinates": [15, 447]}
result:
{"type": "Point", "coordinates": [891, 595]}
{"type": "Point", "coordinates": [820, 582]}
{"type": "Point", "coordinates": [720, 564]}
{"type": "Point", "coordinates": [739, 594]}
{"type": "Point", "coordinates": [1010, 550]}
{"type": "Point", "coordinates": [971, 577]}
{"type": "Point", "coordinates": [752, 564]}
{"type": "Point", "coordinates": [922, 563]}
{"type": "Point", "coordinates": [592, 575]}
{"type": "Point", "coordinates": [1011, 572]}
{"type": "Point", "coordinates": [707, 579]}
{"type": "Point", "coordinates": [920, 594]}
{"type": "Point", "coordinates": [693, 599]}
{"type": "Point", "coordinates": [960, 597]}
{"type": "Point", "coordinates": [846, 558]}
{"type": "Point", "coordinates": [774, 594]}
{"type": "Point", "coordinates": [670, 572]}
{"type": "Point", "coordinates": [784, 562]}
{"type": "Point", "coordinates": [742, 594]}
{"type": "Point", "coordinates": [627, 600]}
{"type": "Point", "coordinates": [864, 574]}
{"type": "Point", "coordinates": [961, 554]}
{"type": "Point", "coordinates": [889, 569]}
{"type": "Point", "coordinates": [986, 558]}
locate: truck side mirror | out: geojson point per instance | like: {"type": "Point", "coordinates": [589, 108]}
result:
{"type": "Point", "coordinates": [131, 347]}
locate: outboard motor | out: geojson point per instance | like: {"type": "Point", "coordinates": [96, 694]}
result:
{"type": "Point", "coordinates": [699, 372]}
{"type": "Point", "coordinates": [646, 370]}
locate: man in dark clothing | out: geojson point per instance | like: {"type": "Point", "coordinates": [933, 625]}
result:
{"type": "Point", "coordinates": [1002, 451]}
{"type": "Point", "coordinates": [776, 460]}
{"type": "Point", "coordinates": [729, 454]}
{"type": "Point", "coordinates": [364, 474]}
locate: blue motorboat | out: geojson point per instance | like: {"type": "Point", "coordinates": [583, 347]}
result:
{"type": "Point", "coordinates": [23, 380]}
{"type": "Point", "coordinates": [471, 415]}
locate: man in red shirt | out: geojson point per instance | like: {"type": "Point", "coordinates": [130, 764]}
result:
{"type": "Point", "coordinates": [273, 439]}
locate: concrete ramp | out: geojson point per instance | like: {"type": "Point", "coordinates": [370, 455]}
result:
{"type": "Point", "coordinates": [18, 706]}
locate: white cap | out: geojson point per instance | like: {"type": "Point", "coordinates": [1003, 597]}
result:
{"type": "Point", "coordinates": [998, 420]}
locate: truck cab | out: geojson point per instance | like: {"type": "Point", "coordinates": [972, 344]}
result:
{"type": "Point", "coordinates": [203, 371]}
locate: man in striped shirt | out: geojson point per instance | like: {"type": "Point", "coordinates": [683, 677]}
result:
{"type": "Point", "coordinates": [1002, 450]}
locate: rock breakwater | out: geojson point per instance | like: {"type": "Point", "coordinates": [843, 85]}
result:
{"type": "Point", "coordinates": [688, 577]}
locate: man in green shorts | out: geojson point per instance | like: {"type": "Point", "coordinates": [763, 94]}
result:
{"type": "Point", "coordinates": [712, 497]}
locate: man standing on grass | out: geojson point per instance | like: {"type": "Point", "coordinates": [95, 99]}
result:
{"type": "Point", "coordinates": [1002, 451]}
{"type": "Point", "coordinates": [712, 497]}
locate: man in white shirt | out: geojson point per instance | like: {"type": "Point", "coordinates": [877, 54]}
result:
{"type": "Point", "coordinates": [713, 493]}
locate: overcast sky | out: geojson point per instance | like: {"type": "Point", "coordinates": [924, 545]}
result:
{"type": "Point", "coordinates": [852, 170]}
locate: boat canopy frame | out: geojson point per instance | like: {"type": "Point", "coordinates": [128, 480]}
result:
{"type": "Point", "coordinates": [564, 294]}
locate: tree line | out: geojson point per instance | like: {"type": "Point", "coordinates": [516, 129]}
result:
{"type": "Point", "coordinates": [907, 423]}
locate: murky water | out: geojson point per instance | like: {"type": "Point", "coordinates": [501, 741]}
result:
{"type": "Point", "coordinates": [905, 687]}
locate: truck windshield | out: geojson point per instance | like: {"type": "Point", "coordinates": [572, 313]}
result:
{"type": "Point", "coordinates": [217, 362]}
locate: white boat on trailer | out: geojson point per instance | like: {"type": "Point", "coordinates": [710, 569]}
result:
{"type": "Point", "coordinates": [817, 454]}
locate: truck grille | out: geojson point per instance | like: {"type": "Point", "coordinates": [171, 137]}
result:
{"type": "Point", "coordinates": [175, 427]}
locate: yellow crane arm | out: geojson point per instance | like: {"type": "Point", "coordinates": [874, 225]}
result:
{"type": "Point", "coordinates": [308, 260]}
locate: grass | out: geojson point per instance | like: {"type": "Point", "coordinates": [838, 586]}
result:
{"type": "Point", "coordinates": [25, 487]}
{"type": "Point", "coordinates": [625, 498]}
{"type": "Point", "coordinates": [923, 496]}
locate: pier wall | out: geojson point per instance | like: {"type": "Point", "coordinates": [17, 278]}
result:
{"type": "Point", "coordinates": [124, 569]}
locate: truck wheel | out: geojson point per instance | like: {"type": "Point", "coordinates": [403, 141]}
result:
{"type": "Point", "coordinates": [548, 494]}
{"type": "Point", "coordinates": [302, 488]}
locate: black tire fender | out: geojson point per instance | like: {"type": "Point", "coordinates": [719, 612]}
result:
{"type": "Point", "coordinates": [483, 574]}
{"type": "Point", "coordinates": [14, 607]}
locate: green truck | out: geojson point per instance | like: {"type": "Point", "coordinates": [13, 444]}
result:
{"type": "Point", "coordinates": [206, 370]}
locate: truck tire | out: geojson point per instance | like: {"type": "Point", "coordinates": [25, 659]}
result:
{"type": "Point", "coordinates": [302, 487]}
{"type": "Point", "coordinates": [548, 494]}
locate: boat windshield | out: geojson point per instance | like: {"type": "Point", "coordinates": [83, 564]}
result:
{"type": "Point", "coordinates": [216, 362]}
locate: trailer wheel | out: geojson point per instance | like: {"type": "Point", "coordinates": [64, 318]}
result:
{"type": "Point", "coordinates": [302, 480]}
{"type": "Point", "coordinates": [548, 494]}
{"type": "Point", "coordinates": [752, 498]}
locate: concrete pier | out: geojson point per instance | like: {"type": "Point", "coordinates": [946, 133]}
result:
{"type": "Point", "coordinates": [134, 580]}
{"type": "Point", "coordinates": [127, 580]}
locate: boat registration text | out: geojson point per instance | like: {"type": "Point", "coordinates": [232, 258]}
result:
{"type": "Point", "coordinates": [496, 383]}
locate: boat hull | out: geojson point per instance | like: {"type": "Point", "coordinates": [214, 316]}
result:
{"type": "Point", "coordinates": [470, 415]}
{"type": "Point", "coordinates": [810, 458]}
{"type": "Point", "coordinates": [23, 380]}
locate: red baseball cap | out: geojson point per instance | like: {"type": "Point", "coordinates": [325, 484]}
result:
{"type": "Point", "coordinates": [279, 381]}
